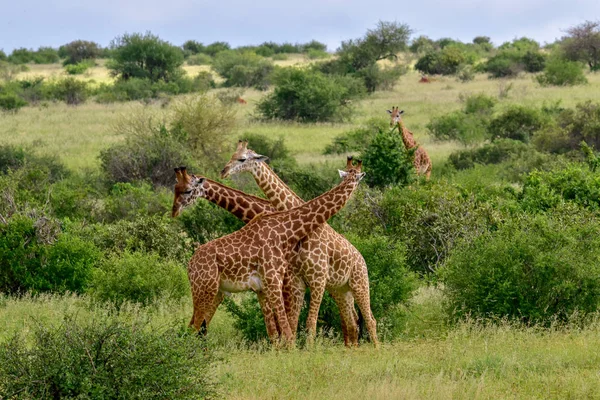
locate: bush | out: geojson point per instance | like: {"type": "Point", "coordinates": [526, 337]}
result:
{"type": "Point", "coordinates": [465, 73]}
{"type": "Point", "coordinates": [36, 257]}
{"type": "Point", "coordinates": [78, 51]}
{"type": "Point", "coordinates": [559, 72]}
{"type": "Point", "coordinates": [544, 190]}
{"type": "Point", "coordinates": [517, 123]}
{"type": "Point", "coordinates": [387, 162]}
{"type": "Point", "coordinates": [534, 61]}
{"type": "Point", "coordinates": [10, 102]}
{"type": "Point", "coordinates": [243, 69]}
{"type": "Point", "coordinates": [275, 149]}
{"type": "Point", "coordinates": [314, 54]}
{"type": "Point", "coordinates": [357, 139]}
{"type": "Point", "coordinates": [21, 56]}
{"type": "Point", "coordinates": [216, 47]}
{"type": "Point", "coordinates": [464, 128]}
{"type": "Point", "coordinates": [230, 96]}
{"type": "Point", "coordinates": [308, 96]}
{"type": "Point", "coordinates": [193, 47]}
{"type": "Point", "coordinates": [144, 56]}
{"type": "Point", "coordinates": [70, 90]}
{"type": "Point", "coordinates": [503, 66]}
{"type": "Point", "coordinates": [138, 278]}
{"type": "Point", "coordinates": [307, 181]}
{"type": "Point", "coordinates": [79, 68]}
{"type": "Point", "coordinates": [130, 201]}
{"type": "Point", "coordinates": [199, 59]}
{"type": "Point", "coordinates": [445, 62]}
{"type": "Point", "coordinates": [3, 56]}
{"type": "Point", "coordinates": [206, 221]}
{"type": "Point", "coordinates": [535, 269]}
{"type": "Point", "coordinates": [45, 55]}
{"type": "Point", "coordinates": [390, 281]}
{"type": "Point", "coordinates": [376, 78]}
{"type": "Point", "coordinates": [105, 358]}
{"type": "Point", "coordinates": [156, 234]}
{"type": "Point", "coordinates": [491, 153]}
{"type": "Point", "coordinates": [478, 104]}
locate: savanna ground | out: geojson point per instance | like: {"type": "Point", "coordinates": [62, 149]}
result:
{"type": "Point", "coordinates": [432, 359]}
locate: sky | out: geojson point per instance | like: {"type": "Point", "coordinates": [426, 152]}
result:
{"type": "Point", "coordinates": [35, 23]}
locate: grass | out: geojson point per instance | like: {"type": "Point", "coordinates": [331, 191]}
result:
{"type": "Point", "coordinates": [467, 360]}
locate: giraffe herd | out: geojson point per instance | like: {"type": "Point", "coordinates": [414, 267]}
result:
{"type": "Point", "coordinates": [285, 246]}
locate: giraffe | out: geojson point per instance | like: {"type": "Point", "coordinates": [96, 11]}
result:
{"type": "Point", "coordinates": [422, 162]}
{"type": "Point", "coordinates": [245, 207]}
{"type": "Point", "coordinates": [256, 256]}
{"type": "Point", "coordinates": [327, 260]}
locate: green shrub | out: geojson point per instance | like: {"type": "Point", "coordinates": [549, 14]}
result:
{"type": "Point", "coordinates": [138, 278]}
{"type": "Point", "coordinates": [491, 153]}
{"type": "Point", "coordinates": [11, 102]}
{"type": "Point", "coordinates": [390, 281]}
{"type": "Point", "coordinates": [445, 61]}
{"type": "Point", "coordinates": [199, 59]}
{"type": "Point", "coordinates": [216, 47]}
{"type": "Point", "coordinates": [315, 54]}
{"type": "Point", "coordinates": [464, 128]}
{"type": "Point", "coordinates": [11, 158]}
{"type": "Point", "coordinates": [558, 72]}
{"type": "Point", "coordinates": [465, 73]}
{"type": "Point", "coordinates": [70, 90]}
{"type": "Point", "coordinates": [36, 257]}
{"type": "Point", "coordinates": [206, 221]}
{"type": "Point", "coordinates": [107, 358]}
{"type": "Point", "coordinates": [78, 51]}
{"type": "Point", "coordinates": [357, 139]}
{"type": "Point", "coordinates": [192, 47]}
{"type": "Point", "coordinates": [534, 268]}
{"type": "Point", "coordinates": [230, 96]}
{"type": "Point", "coordinates": [275, 149]}
{"type": "Point", "coordinates": [144, 56]}
{"type": "Point", "coordinates": [79, 68]}
{"type": "Point", "coordinates": [243, 69]}
{"type": "Point", "coordinates": [376, 78]}
{"type": "Point", "coordinates": [21, 56]}
{"type": "Point", "coordinates": [3, 56]}
{"type": "Point", "coordinates": [45, 55]}
{"type": "Point", "coordinates": [247, 318]}
{"type": "Point", "coordinates": [158, 235]}
{"type": "Point", "coordinates": [478, 104]}
{"type": "Point", "coordinates": [573, 183]}
{"type": "Point", "coordinates": [308, 96]}
{"type": "Point", "coordinates": [387, 162]}
{"type": "Point", "coordinates": [130, 201]}
{"type": "Point", "coordinates": [517, 123]}
{"type": "Point", "coordinates": [534, 61]}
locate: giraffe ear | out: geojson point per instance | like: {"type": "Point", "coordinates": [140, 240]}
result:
{"type": "Point", "coordinates": [360, 176]}
{"type": "Point", "coordinates": [342, 173]}
{"type": "Point", "coordinates": [401, 112]}
{"type": "Point", "coordinates": [389, 111]}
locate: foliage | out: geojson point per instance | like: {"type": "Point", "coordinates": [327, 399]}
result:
{"type": "Point", "coordinates": [20, 56]}
{"type": "Point", "coordinates": [199, 59]}
{"type": "Point", "coordinates": [243, 69]}
{"type": "Point", "coordinates": [36, 257]}
{"type": "Point", "coordinates": [491, 153]}
{"type": "Point", "coordinates": [314, 54]}
{"type": "Point", "coordinates": [130, 201]}
{"type": "Point", "coordinates": [45, 55]}
{"type": "Point", "coordinates": [11, 102]}
{"type": "Point", "coordinates": [533, 268]}
{"type": "Point", "coordinates": [459, 126]}
{"type": "Point", "coordinates": [307, 181]}
{"type": "Point", "coordinates": [387, 162]}
{"type": "Point", "coordinates": [70, 90]}
{"type": "Point", "coordinates": [465, 73]}
{"type": "Point", "coordinates": [247, 318]}
{"type": "Point", "coordinates": [559, 72]}
{"type": "Point", "coordinates": [79, 68]}
{"type": "Point", "coordinates": [192, 47]}
{"type": "Point", "coordinates": [275, 149]}
{"type": "Point", "coordinates": [377, 78]}
{"type": "Point", "coordinates": [206, 221]}
{"type": "Point", "coordinates": [215, 48]}
{"type": "Point", "coordinates": [534, 61]}
{"type": "Point", "coordinates": [421, 45]}
{"type": "Point", "coordinates": [543, 190]}
{"type": "Point", "coordinates": [582, 43]}
{"type": "Point", "coordinates": [446, 61]}
{"type": "Point", "coordinates": [105, 357]}
{"type": "Point", "coordinates": [307, 96]}
{"type": "Point", "coordinates": [390, 281]}
{"type": "Point", "coordinates": [517, 123]}
{"type": "Point", "coordinates": [78, 51]}
{"type": "Point", "coordinates": [357, 139]}
{"type": "Point", "coordinates": [479, 103]}
{"type": "Point", "coordinates": [144, 56]}
{"type": "Point", "coordinates": [138, 278]}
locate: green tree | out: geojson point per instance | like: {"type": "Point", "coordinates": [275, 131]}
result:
{"type": "Point", "coordinates": [583, 44]}
{"type": "Point", "coordinates": [79, 50]}
{"type": "Point", "coordinates": [144, 56]}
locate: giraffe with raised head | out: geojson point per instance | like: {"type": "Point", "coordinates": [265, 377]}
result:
{"type": "Point", "coordinates": [246, 207]}
{"type": "Point", "coordinates": [256, 256]}
{"type": "Point", "coordinates": [422, 162]}
{"type": "Point", "coordinates": [326, 260]}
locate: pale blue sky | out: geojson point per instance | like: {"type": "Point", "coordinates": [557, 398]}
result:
{"type": "Point", "coordinates": [34, 23]}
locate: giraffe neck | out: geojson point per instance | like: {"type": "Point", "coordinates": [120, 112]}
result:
{"type": "Point", "coordinates": [407, 136]}
{"type": "Point", "coordinates": [278, 193]}
{"type": "Point", "coordinates": [312, 214]}
{"type": "Point", "coordinates": [240, 204]}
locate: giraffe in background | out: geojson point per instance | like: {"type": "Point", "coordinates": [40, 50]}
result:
{"type": "Point", "coordinates": [422, 162]}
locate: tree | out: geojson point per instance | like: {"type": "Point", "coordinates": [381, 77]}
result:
{"type": "Point", "coordinates": [144, 56]}
{"type": "Point", "coordinates": [216, 47]}
{"type": "Point", "coordinates": [422, 44]}
{"type": "Point", "coordinates": [193, 47]}
{"type": "Point", "coordinates": [583, 44]}
{"type": "Point", "coordinates": [387, 39]}
{"type": "Point", "coordinates": [79, 50]}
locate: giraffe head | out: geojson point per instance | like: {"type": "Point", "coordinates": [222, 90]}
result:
{"type": "Point", "coordinates": [243, 159]}
{"type": "Point", "coordinates": [187, 189]}
{"type": "Point", "coordinates": [352, 171]}
{"type": "Point", "coordinates": [395, 113]}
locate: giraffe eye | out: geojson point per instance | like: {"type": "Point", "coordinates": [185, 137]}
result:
{"type": "Point", "coordinates": [241, 159]}
{"type": "Point", "coordinates": [188, 191]}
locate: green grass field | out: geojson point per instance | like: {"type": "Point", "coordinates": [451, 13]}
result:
{"type": "Point", "coordinates": [432, 360]}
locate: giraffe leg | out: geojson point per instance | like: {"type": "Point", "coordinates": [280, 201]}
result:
{"type": "Point", "coordinates": [272, 329]}
{"type": "Point", "coordinates": [211, 313]}
{"type": "Point", "coordinates": [293, 297]}
{"type": "Point", "coordinates": [273, 281]}
{"type": "Point", "coordinates": [345, 303]}
{"type": "Point", "coordinates": [359, 283]}
{"type": "Point", "coordinates": [317, 290]}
